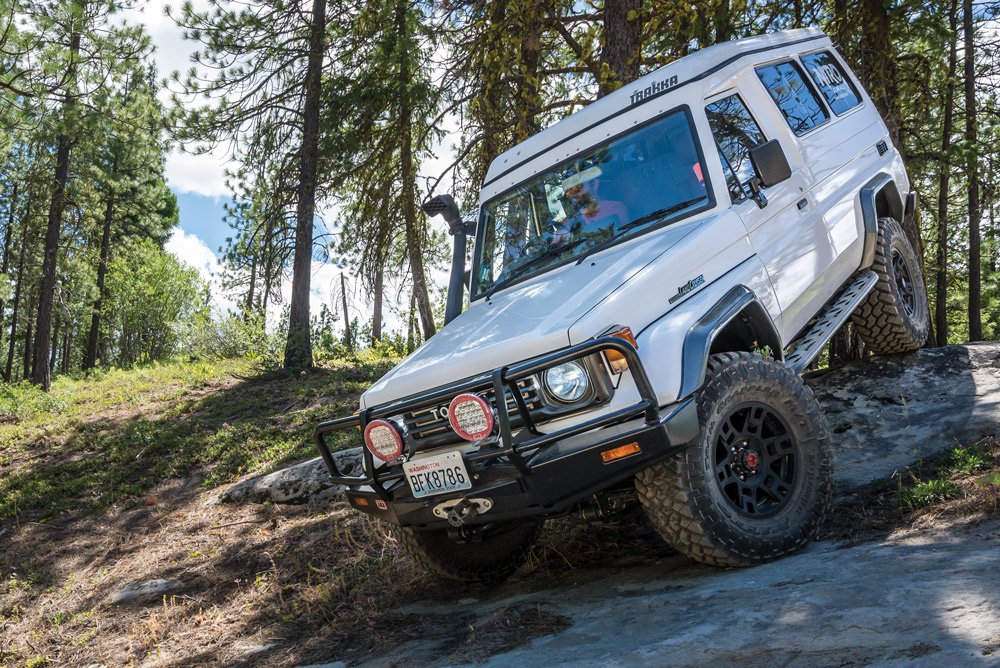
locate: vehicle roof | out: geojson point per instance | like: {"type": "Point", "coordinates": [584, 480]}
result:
{"type": "Point", "coordinates": [577, 130]}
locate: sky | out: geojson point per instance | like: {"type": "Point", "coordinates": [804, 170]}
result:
{"type": "Point", "coordinates": [199, 182]}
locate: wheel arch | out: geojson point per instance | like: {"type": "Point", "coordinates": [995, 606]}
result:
{"type": "Point", "coordinates": [737, 322]}
{"type": "Point", "coordinates": [880, 198]}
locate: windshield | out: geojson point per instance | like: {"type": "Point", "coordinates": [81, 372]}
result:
{"type": "Point", "coordinates": [651, 176]}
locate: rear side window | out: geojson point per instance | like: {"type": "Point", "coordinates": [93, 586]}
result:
{"type": "Point", "coordinates": [832, 82]}
{"type": "Point", "coordinates": [789, 90]}
{"type": "Point", "coordinates": [735, 132]}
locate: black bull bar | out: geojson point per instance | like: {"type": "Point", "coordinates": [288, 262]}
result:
{"type": "Point", "coordinates": [539, 474]}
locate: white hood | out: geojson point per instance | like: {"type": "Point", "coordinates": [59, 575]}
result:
{"type": "Point", "coordinates": [528, 319]}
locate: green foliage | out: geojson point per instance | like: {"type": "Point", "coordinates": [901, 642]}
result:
{"type": "Point", "coordinates": [22, 400]}
{"type": "Point", "coordinates": [968, 459]}
{"type": "Point", "coordinates": [231, 336]}
{"type": "Point", "coordinates": [930, 492]}
{"type": "Point", "coordinates": [151, 296]}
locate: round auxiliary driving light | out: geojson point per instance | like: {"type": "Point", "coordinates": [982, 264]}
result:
{"type": "Point", "coordinates": [383, 440]}
{"type": "Point", "coordinates": [567, 382]}
{"type": "Point", "coordinates": [471, 417]}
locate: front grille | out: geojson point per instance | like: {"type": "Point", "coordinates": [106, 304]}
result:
{"type": "Point", "coordinates": [429, 427]}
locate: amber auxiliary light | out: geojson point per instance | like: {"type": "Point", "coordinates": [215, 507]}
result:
{"type": "Point", "coordinates": [616, 360]}
{"type": "Point", "coordinates": [620, 452]}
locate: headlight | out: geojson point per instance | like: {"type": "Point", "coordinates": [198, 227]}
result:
{"type": "Point", "coordinates": [567, 382]}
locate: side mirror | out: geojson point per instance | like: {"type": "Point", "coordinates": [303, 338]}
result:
{"type": "Point", "coordinates": [771, 166]}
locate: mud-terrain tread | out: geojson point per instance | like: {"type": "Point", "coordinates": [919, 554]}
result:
{"type": "Point", "coordinates": [880, 319]}
{"type": "Point", "coordinates": [675, 492]}
{"type": "Point", "coordinates": [490, 561]}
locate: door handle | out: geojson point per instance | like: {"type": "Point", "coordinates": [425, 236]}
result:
{"type": "Point", "coordinates": [803, 203]}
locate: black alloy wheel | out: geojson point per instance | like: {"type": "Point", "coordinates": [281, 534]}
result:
{"type": "Point", "coordinates": [756, 458]}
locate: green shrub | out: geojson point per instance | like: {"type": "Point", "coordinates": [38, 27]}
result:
{"type": "Point", "coordinates": [968, 459]}
{"type": "Point", "coordinates": [21, 400]}
{"type": "Point", "coordinates": [930, 492]}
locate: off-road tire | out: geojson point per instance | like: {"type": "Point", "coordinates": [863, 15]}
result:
{"type": "Point", "coordinates": [889, 321]}
{"type": "Point", "coordinates": [490, 560]}
{"type": "Point", "coordinates": [685, 500]}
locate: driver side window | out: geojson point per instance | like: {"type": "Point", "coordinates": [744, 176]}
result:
{"type": "Point", "coordinates": [735, 132]}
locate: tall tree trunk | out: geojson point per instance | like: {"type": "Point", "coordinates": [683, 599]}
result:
{"type": "Point", "coordinates": [268, 266]}
{"type": "Point", "coordinates": [878, 67]}
{"type": "Point", "coordinates": [8, 234]}
{"type": "Point", "coordinates": [27, 351]}
{"type": "Point", "coordinates": [622, 48]}
{"type": "Point", "coordinates": [55, 341]}
{"type": "Point", "coordinates": [411, 324]}
{"type": "Point", "coordinates": [248, 310]}
{"type": "Point", "coordinates": [46, 289]}
{"type": "Point", "coordinates": [67, 344]}
{"type": "Point", "coordinates": [298, 348]}
{"type": "Point", "coordinates": [944, 182]}
{"type": "Point", "coordinates": [18, 285]}
{"type": "Point", "coordinates": [530, 23]}
{"type": "Point", "coordinates": [379, 289]}
{"type": "Point", "coordinates": [90, 358]}
{"type": "Point", "coordinates": [975, 214]}
{"type": "Point", "coordinates": [348, 339]}
{"type": "Point", "coordinates": [414, 232]}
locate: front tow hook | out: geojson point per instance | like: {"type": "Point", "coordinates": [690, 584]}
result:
{"type": "Point", "coordinates": [462, 512]}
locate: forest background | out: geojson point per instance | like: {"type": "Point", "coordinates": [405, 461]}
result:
{"type": "Point", "coordinates": [336, 107]}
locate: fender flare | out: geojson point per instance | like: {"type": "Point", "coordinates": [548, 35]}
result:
{"type": "Point", "coordinates": [881, 190]}
{"type": "Point", "coordinates": [740, 300]}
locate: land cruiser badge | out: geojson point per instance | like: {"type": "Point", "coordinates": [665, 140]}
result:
{"type": "Point", "coordinates": [687, 287]}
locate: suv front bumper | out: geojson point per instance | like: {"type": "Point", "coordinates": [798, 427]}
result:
{"type": "Point", "coordinates": [530, 473]}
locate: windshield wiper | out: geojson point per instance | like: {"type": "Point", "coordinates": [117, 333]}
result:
{"type": "Point", "coordinates": [549, 252]}
{"type": "Point", "coordinates": [657, 215]}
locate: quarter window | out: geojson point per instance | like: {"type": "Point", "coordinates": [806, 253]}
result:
{"type": "Point", "coordinates": [829, 77]}
{"type": "Point", "coordinates": [794, 97]}
{"type": "Point", "coordinates": [735, 132]}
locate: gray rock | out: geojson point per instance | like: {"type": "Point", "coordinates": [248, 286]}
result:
{"type": "Point", "coordinates": [892, 411]}
{"type": "Point", "coordinates": [144, 589]}
{"type": "Point", "coordinates": [301, 483]}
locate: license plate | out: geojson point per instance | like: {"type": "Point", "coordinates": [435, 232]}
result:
{"type": "Point", "coordinates": [437, 474]}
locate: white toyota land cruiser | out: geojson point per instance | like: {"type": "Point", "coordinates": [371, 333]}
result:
{"type": "Point", "coordinates": [650, 275]}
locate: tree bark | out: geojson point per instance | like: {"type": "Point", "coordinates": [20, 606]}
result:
{"type": "Point", "coordinates": [414, 233]}
{"type": "Point", "coordinates": [8, 234]}
{"type": "Point", "coordinates": [944, 182]}
{"type": "Point", "coordinates": [19, 283]}
{"type": "Point", "coordinates": [529, 100]}
{"type": "Point", "coordinates": [379, 289]}
{"type": "Point", "coordinates": [348, 339]}
{"type": "Point", "coordinates": [46, 289]}
{"type": "Point", "coordinates": [27, 351]}
{"type": "Point", "coordinates": [975, 213]}
{"type": "Point", "coordinates": [622, 48]}
{"type": "Point", "coordinates": [90, 358]}
{"type": "Point", "coordinates": [298, 348]}
{"type": "Point", "coordinates": [248, 310]}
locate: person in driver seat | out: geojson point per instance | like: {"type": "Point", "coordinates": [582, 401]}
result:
{"type": "Point", "coordinates": [589, 212]}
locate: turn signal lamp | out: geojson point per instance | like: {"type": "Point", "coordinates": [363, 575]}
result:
{"type": "Point", "coordinates": [620, 452]}
{"type": "Point", "coordinates": [617, 361]}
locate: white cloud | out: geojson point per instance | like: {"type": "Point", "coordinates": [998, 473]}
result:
{"type": "Point", "coordinates": [192, 251]}
{"type": "Point", "coordinates": [199, 174]}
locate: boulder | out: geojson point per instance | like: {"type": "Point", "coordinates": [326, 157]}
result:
{"type": "Point", "coordinates": [308, 481]}
{"type": "Point", "coordinates": [889, 412]}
